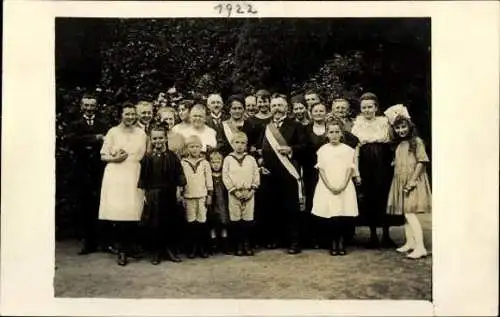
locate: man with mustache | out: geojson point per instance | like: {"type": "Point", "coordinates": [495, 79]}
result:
{"type": "Point", "coordinates": [283, 146]}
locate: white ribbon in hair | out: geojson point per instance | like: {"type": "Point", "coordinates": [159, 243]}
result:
{"type": "Point", "coordinates": [395, 111]}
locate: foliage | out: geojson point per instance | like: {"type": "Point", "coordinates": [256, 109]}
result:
{"type": "Point", "coordinates": [338, 77]}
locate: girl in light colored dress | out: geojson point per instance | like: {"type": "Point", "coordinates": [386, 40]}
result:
{"type": "Point", "coordinates": [121, 199]}
{"type": "Point", "coordinates": [335, 194]}
{"type": "Point", "coordinates": [410, 192]}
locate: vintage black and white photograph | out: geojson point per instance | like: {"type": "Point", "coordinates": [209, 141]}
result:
{"type": "Point", "coordinates": [249, 158]}
{"type": "Point", "coordinates": [262, 158]}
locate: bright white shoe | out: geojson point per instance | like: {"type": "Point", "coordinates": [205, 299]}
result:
{"type": "Point", "coordinates": [417, 254]}
{"type": "Point", "coordinates": [405, 248]}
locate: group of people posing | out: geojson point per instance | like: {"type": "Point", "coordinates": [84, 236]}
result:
{"type": "Point", "coordinates": [256, 171]}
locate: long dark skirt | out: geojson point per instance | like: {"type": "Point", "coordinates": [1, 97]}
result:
{"type": "Point", "coordinates": [376, 175]}
{"type": "Point", "coordinates": [162, 219]}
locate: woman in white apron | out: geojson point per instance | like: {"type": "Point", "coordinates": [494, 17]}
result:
{"type": "Point", "coordinates": [121, 199]}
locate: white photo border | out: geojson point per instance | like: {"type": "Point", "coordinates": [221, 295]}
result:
{"type": "Point", "coordinates": [465, 81]}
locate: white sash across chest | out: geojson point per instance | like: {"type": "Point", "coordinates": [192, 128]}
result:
{"type": "Point", "coordinates": [272, 135]}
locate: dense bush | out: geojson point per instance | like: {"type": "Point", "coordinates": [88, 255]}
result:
{"type": "Point", "coordinates": [132, 59]}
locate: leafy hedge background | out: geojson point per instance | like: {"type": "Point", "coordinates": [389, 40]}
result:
{"type": "Point", "coordinates": [132, 59]}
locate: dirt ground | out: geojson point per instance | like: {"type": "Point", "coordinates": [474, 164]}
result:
{"type": "Point", "coordinates": [313, 274]}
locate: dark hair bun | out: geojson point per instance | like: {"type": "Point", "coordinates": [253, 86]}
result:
{"type": "Point", "coordinates": [236, 97]}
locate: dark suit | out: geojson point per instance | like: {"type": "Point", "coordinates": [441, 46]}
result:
{"type": "Point", "coordinates": [88, 173]}
{"type": "Point", "coordinates": [281, 189]}
{"type": "Point", "coordinates": [217, 125]}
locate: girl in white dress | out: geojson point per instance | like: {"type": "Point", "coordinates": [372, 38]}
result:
{"type": "Point", "coordinates": [335, 194]}
{"type": "Point", "coordinates": [121, 199]}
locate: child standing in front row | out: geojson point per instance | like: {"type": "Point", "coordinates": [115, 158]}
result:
{"type": "Point", "coordinates": [218, 215]}
{"type": "Point", "coordinates": [197, 195]}
{"type": "Point", "coordinates": [240, 174]}
{"type": "Point", "coordinates": [162, 179]}
{"type": "Point", "coordinates": [410, 191]}
{"type": "Point", "coordinates": [335, 194]}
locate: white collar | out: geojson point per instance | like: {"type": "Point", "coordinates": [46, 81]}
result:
{"type": "Point", "coordinates": [216, 116]}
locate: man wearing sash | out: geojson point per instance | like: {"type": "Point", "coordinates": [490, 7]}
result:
{"type": "Point", "coordinates": [236, 123]}
{"type": "Point", "coordinates": [283, 146]}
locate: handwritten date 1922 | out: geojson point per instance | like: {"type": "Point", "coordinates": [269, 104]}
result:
{"type": "Point", "coordinates": [231, 9]}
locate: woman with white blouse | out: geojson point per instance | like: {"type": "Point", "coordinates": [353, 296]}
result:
{"type": "Point", "coordinates": [375, 170]}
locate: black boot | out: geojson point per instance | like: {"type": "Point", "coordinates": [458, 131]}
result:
{"type": "Point", "coordinates": [203, 240]}
{"type": "Point", "coordinates": [334, 247]}
{"type": "Point", "coordinates": [172, 256]}
{"type": "Point", "coordinates": [294, 248]}
{"type": "Point", "coordinates": [122, 259]}
{"type": "Point", "coordinates": [225, 245]}
{"type": "Point", "coordinates": [341, 246]}
{"type": "Point", "coordinates": [237, 235]}
{"type": "Point", "coordinates": [192, 240]}
{"type": "Point", "coordinates": [374, 242]}
{"type": "Point", "coordinates": [247, 245]}
{"type": "Point", "coordinates": [214, 245]}
{"type": "Point", "coordinates": [334, 230]}
{"type": "Point", "coordinates": [155, 259]}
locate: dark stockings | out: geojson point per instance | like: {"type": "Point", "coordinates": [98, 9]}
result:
{"type": "Point", "coordinates": [125, 233]}
{"type": "Point", "coordinates": [340, 232]}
